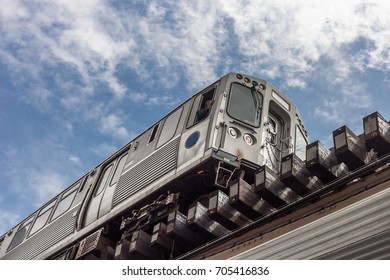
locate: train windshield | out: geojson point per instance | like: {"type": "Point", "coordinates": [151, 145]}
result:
{"type": "Point", "coordinates": [245, 104]}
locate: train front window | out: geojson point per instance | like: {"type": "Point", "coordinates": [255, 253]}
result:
{"type": "Point", "coordinates": [245, 104]}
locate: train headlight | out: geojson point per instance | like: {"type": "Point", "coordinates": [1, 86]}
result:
{"type": "Point", "coordinates": [234, 132]}
{"type": "Point", "coordinates": [249, 139]}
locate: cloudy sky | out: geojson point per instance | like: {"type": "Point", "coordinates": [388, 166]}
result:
{"type": "Point", "coordinates": [79, 79]}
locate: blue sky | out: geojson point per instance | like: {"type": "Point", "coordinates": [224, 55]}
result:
{"type": "Point", "coordinates": [79, 79]}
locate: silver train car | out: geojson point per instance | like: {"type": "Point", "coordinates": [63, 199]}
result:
{"type": "Point", "coordinates": [224, 132]}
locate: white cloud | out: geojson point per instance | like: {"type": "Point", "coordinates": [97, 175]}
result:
{"type": "Point", "coordinates": [37, 186]}
{"type": "Point", "coordinates": [143, 98]}
{"type": "Point", "coordinates": [345, 104]}
{"type": "Point", "coordinates": [81, 35]}
{"type": "Point", "coordinates": [12, 9]}
{"type": "Point", "coordinates": [282, 39]}
{"type": "Point", "coordinates": [48, 170]}
{"type": "Point", "coordinates": [8, 219]}
{"type": "Point", "coordinates": [39, 97]}
{"type": "Point", "coordinates": [103, 149]}
{"type": "Point", "coordinates": [45, 185]}
{"type": "Point", "coordinates": [69, 127]}
{"type": "Point", "coordinates": [118, 89]}
{"type": "Point", "coordinates": [138, 97]}
{"type": "Point", "coordinates": [75, 159]}
{"type": "Point", "coordinates": [113, 125]}
{"type": "Point", "coordinates": [328, 112]}
{"type": "Point", "coordinates": [164, 43]}
{"type": "Point", "coordinates": [289, 40]}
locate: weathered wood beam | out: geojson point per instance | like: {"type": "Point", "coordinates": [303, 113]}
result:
{"type": "Point", "coordinates": [221, 211]}
{"type": "Point", "coordinates": [243, 198]}
{"type": "Point", "coordinates": [122, 250]}
{"type": "Point", "coordinates": [199, 221]}
{"type": "Point", "coordinates": [140, 247]}
{"type": "Point", "coordinates": [323, 163]}
{"type": "Point", "coordinates": [159, 239]}
{"type": "Point", "coordinates": [178, 231]}
{"type": "Point", "coordinates": [270, 188]}
{"type": "Point", "coordinates": [296, 176]}
{"type": "Point", "coordinates": [349, 148]}
{"type": "Point", "coordinates": [377, 133]}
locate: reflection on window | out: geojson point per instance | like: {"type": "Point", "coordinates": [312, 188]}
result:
{"type": "Point", "coordinates": [40, 222]}
{"type": "Point", "coordinates": [63, 205]}
{"type": "Point", "coordinates": [19, 236]}
{"type": "Point", "coordinates": [300, 144]}
{"type": "Point", "coordinates": [66, 201]}
{"type": "Point", "coordinates": [21, 233]}
{"type": "Point", "coordinates": [103, 180]}
{"type": "Point", "coordinates": [154, 133]}
{"type": "Point", "coordinates": [201, 107]}
{"type": "Point", "coordinates": [245, 104]}
{"type": "Point", "coordinates": [118, 170]}
{"type": "Point", "coordinates": [169, 128]}
{"type": "Point", "coordinates": [42, 218]}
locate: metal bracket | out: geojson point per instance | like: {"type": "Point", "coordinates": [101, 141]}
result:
{"type": "Point", "coordinates": [223, 176]}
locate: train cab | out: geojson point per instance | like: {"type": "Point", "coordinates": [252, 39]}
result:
{"type": "Point", "coordinates": [257, 124]}
{"type": "Point", "coordinates": [251, 124]}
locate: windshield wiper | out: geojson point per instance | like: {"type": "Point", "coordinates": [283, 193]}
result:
{"type": "Point", "coordinates": [257, 102]}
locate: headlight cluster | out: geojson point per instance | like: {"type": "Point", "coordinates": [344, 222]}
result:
{"type": "Point", "coordinates": [236, 133]}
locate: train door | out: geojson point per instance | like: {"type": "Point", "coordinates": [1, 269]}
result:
{"type": "Point", "coordinates": [99, 203]}
{"type": "Point", "coordinates": [94, 201]}
{"type": "Point", "coordinates": [106, 198]}
{"type": "Point", "coordinates": [273, 141]}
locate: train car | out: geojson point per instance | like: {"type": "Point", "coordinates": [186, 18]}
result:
{"type": "Point", "coordinates": [221, 136]}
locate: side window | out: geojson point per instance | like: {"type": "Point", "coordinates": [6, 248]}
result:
{"type": "Point", "coordinates": [42, 218]}
{"type": "Point", "coordinates": [169, 128]}
{"type": "Point", "coordinates": [300, 144]}
{"type": "Point", "coordinates": [118, 170]}
{"type": "Point", "coordinates": [21, 233]}
{"type": "Point", "coordinates": [201, 107]}
{"type": "Point", "coordinates": [65, 202]}
{"type": "Point", "coordinates": [154, 133]}
{"type": "Point", "coordinates": [1, 240]}
{"type": "Point", "coordinates": [103, 179]}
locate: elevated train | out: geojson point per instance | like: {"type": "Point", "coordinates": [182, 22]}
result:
{"type": "Point", "coordinates": [222, 135]}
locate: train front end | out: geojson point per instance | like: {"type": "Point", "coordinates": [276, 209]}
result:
{"type": "Point", "coordinates": [255, 125]}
